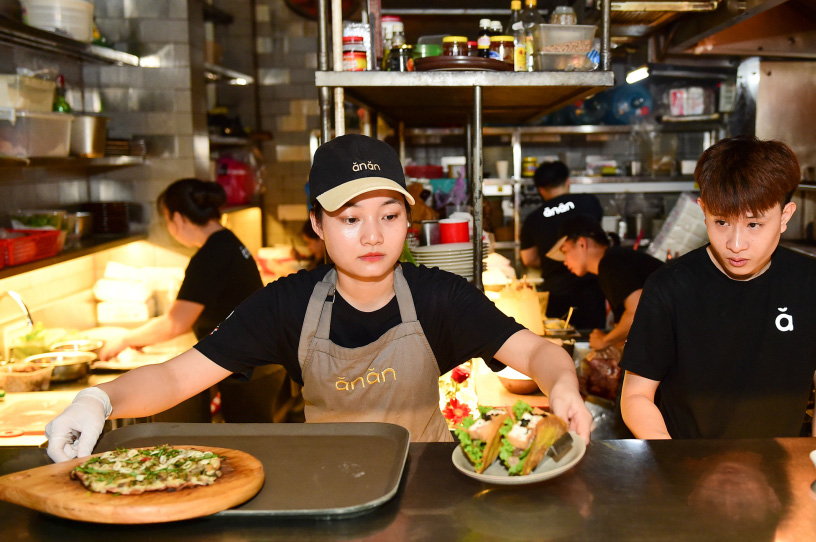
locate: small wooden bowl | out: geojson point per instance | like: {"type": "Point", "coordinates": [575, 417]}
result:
{"type": "Point", "coordinates": [516, 382]}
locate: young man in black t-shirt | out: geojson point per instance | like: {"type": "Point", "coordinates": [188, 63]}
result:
{"type": "Point", "coordinates": [585, 249]}
{"type": "Point", "coordinates": [540, 231]}
{"type": "Point", "coordinates": [726, 331]}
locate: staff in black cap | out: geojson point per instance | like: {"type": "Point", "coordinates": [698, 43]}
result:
{"type": "Point", "coordinates": [367, 336]}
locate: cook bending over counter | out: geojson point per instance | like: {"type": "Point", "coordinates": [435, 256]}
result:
{"type": "Point", "coordinates": [367, 337]}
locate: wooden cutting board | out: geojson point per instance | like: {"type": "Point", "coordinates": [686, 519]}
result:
{"type": "Point", "coordinates": [50, 489]}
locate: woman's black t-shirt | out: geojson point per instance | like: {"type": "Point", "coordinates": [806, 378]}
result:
{"type": "Point", "coordinates": [219, 276]}
{"type": "Point", "coordinates": [735, 359]}
{"type": "Point", "coordinates": [458, 320]}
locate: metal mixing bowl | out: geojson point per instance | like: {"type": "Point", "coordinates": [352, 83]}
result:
{"type": "Point", "coordinates": [78, 345]}
{"type": "Point", "coordinates": [66, 365]}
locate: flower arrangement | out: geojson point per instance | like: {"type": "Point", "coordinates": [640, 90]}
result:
{"type": "Point", "coordinates": [457, 398]}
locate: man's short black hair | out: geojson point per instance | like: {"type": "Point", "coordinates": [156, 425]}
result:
{"type": "Point", "coordinates": [551, 174]}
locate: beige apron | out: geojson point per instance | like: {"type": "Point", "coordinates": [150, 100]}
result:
{"type": "Point", "coordinates": [395, 379]}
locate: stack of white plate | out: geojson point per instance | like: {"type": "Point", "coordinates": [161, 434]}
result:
{"type": "Point", "coordinates": [454, 257]}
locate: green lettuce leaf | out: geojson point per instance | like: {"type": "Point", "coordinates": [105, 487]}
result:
{"type": "Point", "coordinates": [520, 408]}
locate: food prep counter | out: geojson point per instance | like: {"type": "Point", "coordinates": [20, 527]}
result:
{"type": "Point", "coordinates": [23, 415]}
{"type": "Point", "coordinates": [621, 490]}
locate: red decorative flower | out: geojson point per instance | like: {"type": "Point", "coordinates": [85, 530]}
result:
{"type": "Point", "coordinates": [456, 411]}
{"type": "Point", "coordinates": [460, 374]}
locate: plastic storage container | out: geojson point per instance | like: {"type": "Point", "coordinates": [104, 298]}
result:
{"type": "Point", "coordinates": [70, 18]}
{"type": "Point", "coordinates": [561, 61]}
{"type": "Point", "coordinates": [563, 38]}
{"type": "Point", "coordinates": [22, 377]}
{"type": "Point", "coordinates": [24, 92]}
{"type": "Point", "coordinates": [33, 245]}
{"type": "Point", "coordinates": [30, 134]}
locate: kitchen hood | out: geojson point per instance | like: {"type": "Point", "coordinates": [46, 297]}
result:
{"type": "Point", "coordinates": [766, 28]}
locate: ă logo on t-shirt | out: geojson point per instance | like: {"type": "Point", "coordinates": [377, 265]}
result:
{"type": "Point", "coordinates": [245, 252]}
{"type": "Point", "coordinates": [784, 322]}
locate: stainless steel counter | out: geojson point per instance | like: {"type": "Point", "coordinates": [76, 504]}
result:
{"type": "Point", "coordinates": [622, 490]}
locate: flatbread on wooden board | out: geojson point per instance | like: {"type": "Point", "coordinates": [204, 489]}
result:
{"type": "Point", "coordinates": [50, 489]}
{"type": "Point", "coordinates": [137, 470]}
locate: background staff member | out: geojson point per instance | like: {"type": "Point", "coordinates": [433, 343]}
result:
{"type": "Point", "coordinates": [315, 245]}
{"type": "Point", "coordinates": [220, 275]}
{"type": "Point", "coordinates": [540, 232]}
{"type": "Point", "coordinates": [726, 331]}
{"type": "Point", "coordinates": [584, 248]}
{"type": "Point", "coordinates": [366, 336]}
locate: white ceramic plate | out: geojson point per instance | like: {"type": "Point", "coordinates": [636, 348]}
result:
{"type": "Point", "coordinates": [546, 469]}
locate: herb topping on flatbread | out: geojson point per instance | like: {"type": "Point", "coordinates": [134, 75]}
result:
{"type": "Point", "coordinates": [134, 471]}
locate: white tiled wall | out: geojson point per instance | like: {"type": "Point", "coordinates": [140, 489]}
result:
{"type": "Point", "coordinates": [60, 295]}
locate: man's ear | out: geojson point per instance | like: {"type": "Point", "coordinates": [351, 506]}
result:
{"type": "Point", "coordinates": [787, 213]}
{"type": "Point", "coordinates": [581, 243]}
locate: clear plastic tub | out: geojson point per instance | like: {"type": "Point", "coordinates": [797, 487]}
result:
{"type": "Point", "coordinates": [561, 61]}
{"type": "Point", "coordinates": [28, 134]}
{"type": "Point", "coordinates": [563, 38]}
{"type": "Point", "coordinates": [24, 92]}
{"type": "Point", "coordinates": [23, 377]}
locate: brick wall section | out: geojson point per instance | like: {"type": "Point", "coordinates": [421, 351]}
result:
{"type": "Point", "coordinates": [158, 104]}
{"type": "Point", "coordinates": [287, 59]}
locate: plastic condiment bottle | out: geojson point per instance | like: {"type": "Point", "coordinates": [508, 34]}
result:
{"type": "Point", "coordinates": [393, 35]}
{"type": "Point", "coordinates": [60, 103]}
{"type": "Point", "coordinates": [515, 15]}
{"type": "Point", "coordinates": [483, 39]}
{"type": "Point", "coordinates": [529, 18]}
{"type": "Point", "coordinates": [519, 48]}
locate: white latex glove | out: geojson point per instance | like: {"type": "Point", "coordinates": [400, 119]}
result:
{"type": "Point", "coordinates": [75, 432]}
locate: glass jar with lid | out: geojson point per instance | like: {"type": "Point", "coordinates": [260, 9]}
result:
{"type": "Point", "coordinates": [563, 15]}
{"type": "Point", "coordinates": [454, 46]}
{"type": "Point", "coordinates": [502, 48]}
{"type": "Point", "coordinates": [401, 58]}
{"type": "Point", "coordinates": [528, 166]}
{"type": "Point", "coordinates": [354, 54]}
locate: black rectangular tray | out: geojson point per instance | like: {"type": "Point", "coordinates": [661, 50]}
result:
{"type": "Point", "coordinates": [316, 470]}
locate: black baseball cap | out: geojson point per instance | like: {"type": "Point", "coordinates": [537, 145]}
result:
{"type": "Point", "coordinates": [575, 226]}
{"type": "Point", "coordinates": [354, 164]}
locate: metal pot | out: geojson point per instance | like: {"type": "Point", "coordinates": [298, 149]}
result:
{"type": "Point", "coordinates": [66, 365]}
{"type": "Point", "coordinates": [89, 136]}
{"type": "Point", "coordinates": [78, 345]}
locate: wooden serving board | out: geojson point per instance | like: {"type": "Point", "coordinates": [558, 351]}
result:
{"type": "Point", "coordinates": [50, 489]}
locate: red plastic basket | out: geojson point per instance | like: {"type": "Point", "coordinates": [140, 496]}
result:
{"type": "Point", "coordinates": [34, 245]}
{"type": "Point", "coordinates": [2, 253]}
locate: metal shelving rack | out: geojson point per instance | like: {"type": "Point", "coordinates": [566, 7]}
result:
{"type": "Point", "coordinates": [441, 98]}
{"type": "Point", "coordinates": [16, 33]}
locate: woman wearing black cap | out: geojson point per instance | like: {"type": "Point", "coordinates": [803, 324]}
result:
{"type": "Point", "coordinates": [366, 336]}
